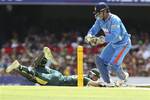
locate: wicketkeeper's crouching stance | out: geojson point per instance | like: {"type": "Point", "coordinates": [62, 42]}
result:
{"type": "Point", "coordinates": [118, 43]}
{"type": "Point", "coordinates": [46, 76]}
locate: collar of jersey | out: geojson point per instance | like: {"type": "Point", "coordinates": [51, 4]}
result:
{"type": "Point", "coordinates": [107, 18]}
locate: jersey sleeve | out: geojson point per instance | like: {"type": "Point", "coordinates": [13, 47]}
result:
{"type": "Point", "coordinates": [95, 28]}
{"type": "Point", "coordinates": [114, 31]}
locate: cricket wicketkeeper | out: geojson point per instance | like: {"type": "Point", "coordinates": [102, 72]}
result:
{"type": "Point", "coordinates": [117, 39]}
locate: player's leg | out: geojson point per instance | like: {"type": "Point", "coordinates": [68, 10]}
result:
{"type": "Point", "coordinates": [47, 75]}
{"type": "Point", "coordinates": [43, 58]}
{"type": "Point", "coordinates": [29, 73]}
{"type": "Point", "coordinates": [24, 72]}
{"type": "Point", "coordinates": [43, 76]}
{"type": "Point", "coordinates": [28, 76]}
{"type": "Point", "coordinates": [12, 66]}
{"type": "Point", "coordinates": [39, 61]}
{"type": "Point", "coordinates": [102, 60]}
{"type": "Point", "coordinates": [100, 64]}
{"type": "Point", "coordinates": [117, 59]}
{"type": "Point", "coordinates": [48, 55]}
{"type": "Point", "coordinates": [44, 61]}
{"type": "Point", "coordinates": [40, 76]}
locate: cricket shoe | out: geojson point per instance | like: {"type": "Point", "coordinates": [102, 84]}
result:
{"type": "Point", "coordinates": [13, 66]}
{"type": "Point", "coordinates": [126, 76]}
{"type": "Point", "coordinates": [109, 84]}
{"type": "Point", "coordinates": [120, 83]}
{"type": "Point", "coordinates": [48, 55]}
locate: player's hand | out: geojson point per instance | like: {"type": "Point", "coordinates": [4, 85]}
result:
{"type": "Point", "coordinates": [97, 40]}
{"type": "Point", "coordinates": [88, 38]}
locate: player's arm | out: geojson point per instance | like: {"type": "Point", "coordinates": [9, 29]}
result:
{"type": "Point", "coordinates": [95, 28]}
{"type": "Point", "coordinates": [92, 32]}
{"type": "Point", "coordinates": [93, 83]}
{"type": "Point", "coordinates": [99, 84]}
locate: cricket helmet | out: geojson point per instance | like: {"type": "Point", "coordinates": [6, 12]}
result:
{"type": "Point", "coordinates": [100, 7]}
{"type": "Point", "coordinates": [95, 72]}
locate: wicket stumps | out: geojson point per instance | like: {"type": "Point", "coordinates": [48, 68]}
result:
{"type": "Point", "coordinates": [80, 65]}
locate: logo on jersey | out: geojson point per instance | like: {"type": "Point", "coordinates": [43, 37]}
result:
{"type": "Point", "coordinates": [114, 26]}
{"type": "Point", "coordinates": [105, 30]}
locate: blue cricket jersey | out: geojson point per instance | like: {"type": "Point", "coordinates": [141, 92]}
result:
{"type": "Point", "coordinates": [115, 31]}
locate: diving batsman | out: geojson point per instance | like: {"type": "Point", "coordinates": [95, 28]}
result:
{"type": "Point", "coordinates": [47, 76]}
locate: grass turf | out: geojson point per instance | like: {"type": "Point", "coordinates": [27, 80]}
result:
{"type": "Point", "coordinates": [72, 93]}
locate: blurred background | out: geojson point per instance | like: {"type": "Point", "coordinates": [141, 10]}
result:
{"type": "Point", "coordinates": [26, 26]}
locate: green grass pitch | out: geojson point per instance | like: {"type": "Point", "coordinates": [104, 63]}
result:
{"type": "Point", "coordinates": [72, 93]}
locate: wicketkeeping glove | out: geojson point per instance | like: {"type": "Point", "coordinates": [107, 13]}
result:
{"type": "Point", "coordinates": [101, 40]}
{"type": "Point", "coordinates": [88, 38]}
{"type": "Point", "coordinates": [95, 40]}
